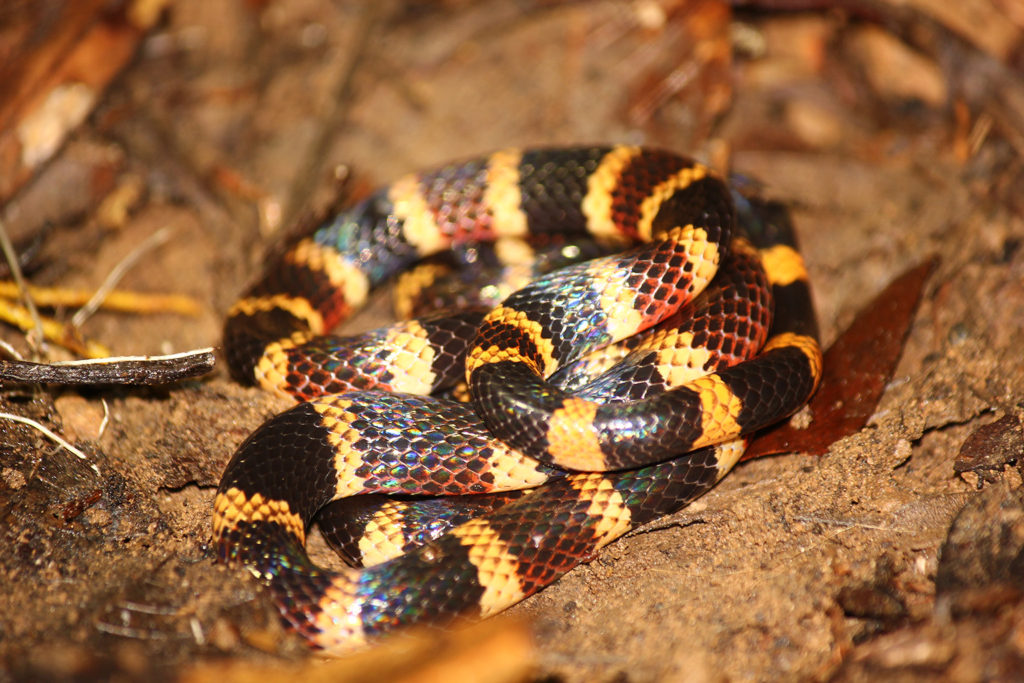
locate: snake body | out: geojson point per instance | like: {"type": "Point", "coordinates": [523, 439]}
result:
{"type": "Point", "coordinates": [598, 449]}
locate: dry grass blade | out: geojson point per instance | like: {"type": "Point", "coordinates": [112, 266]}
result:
{"type": "Point", "coordinates": [50, 435]}
{"type": "Point", "coordinates": [152, 242]}
{"type": "Point", "coordinates": [15, 268]}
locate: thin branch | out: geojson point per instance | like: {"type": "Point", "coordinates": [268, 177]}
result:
{"type": "Point", "coordinates": [131, 370]}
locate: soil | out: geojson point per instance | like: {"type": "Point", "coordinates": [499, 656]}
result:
{"type": "Point", "coordinates": [237, 116]}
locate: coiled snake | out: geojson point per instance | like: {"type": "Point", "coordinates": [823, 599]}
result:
{"type": "Point", "coordinates": [713, 326]}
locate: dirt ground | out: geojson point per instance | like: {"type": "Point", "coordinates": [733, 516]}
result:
{"type": "Point", "coordinates": [237, 115]}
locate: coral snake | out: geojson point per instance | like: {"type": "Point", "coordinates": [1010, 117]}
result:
{"type": "Point", "coordinates": [603, 394]}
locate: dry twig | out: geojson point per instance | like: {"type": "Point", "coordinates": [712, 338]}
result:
{"type": "Point", "coordinates": [132, 370]}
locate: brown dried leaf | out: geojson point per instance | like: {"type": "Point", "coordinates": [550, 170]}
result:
{"type": "Point", "coordinates": [857, 368]}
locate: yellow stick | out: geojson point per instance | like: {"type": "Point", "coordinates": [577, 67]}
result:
{"type": "Point", "coordinates": [117, 300]}
{"type": "Point", "coordinates": [54, 331]}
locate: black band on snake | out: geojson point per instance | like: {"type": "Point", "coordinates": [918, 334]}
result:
{"type": "Point", "coordinates": [604, 394]}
